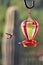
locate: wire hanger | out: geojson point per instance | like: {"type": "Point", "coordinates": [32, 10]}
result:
{"type": "Point", "coordinates": [28, 6]}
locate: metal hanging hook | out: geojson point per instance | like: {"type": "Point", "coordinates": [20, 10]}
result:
{"type": "Point", "coordinates": [28, 6]}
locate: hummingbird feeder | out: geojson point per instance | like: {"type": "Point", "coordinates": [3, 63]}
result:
{"type": "Point", "coordinates": [29, 28]}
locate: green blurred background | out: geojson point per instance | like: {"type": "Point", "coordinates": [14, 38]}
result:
{"type": "Point", "coordinates": [36, 13]}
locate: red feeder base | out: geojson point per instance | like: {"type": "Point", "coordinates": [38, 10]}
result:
{"type": "Point", "coordinates": [27, 43]}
